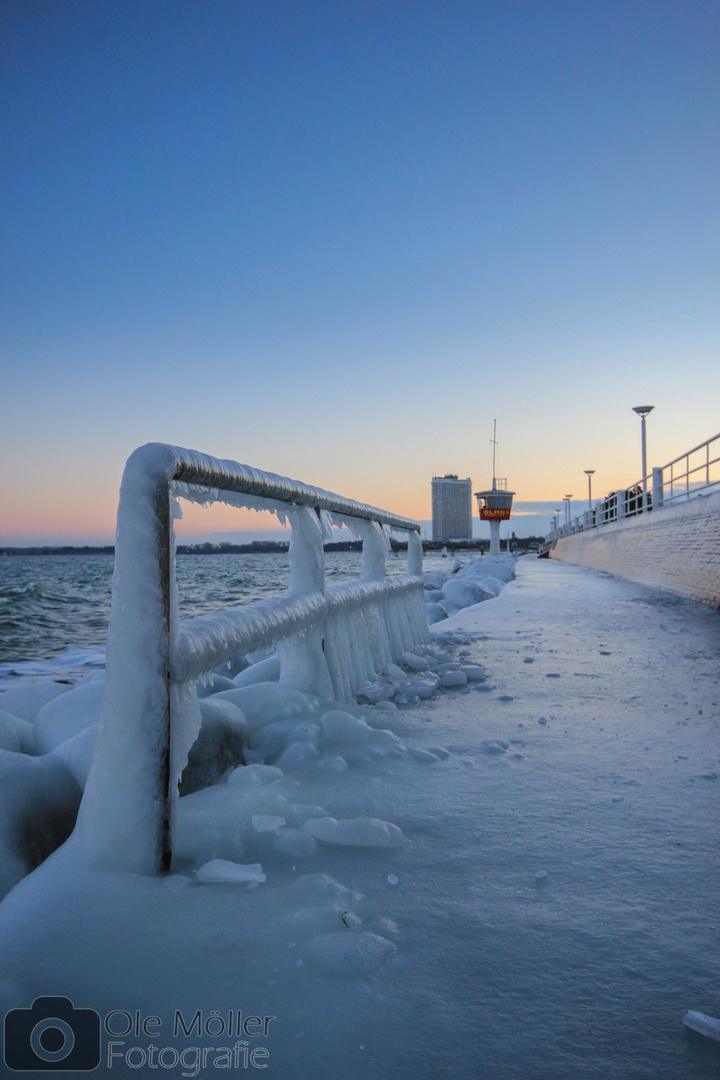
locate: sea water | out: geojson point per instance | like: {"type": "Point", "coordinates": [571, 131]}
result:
{"type": "Point", "coordinates": [54, 609]}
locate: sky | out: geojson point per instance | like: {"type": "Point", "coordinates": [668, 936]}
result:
{"type": "Point", "coordinates": [336, 240]}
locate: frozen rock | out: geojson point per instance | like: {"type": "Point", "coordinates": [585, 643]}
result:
{"type": "Point", "coordinates": [26, 701]}
{"type": "Point", "coordinates": [453, 678]}
{"type": "Point", "coordinates": [333, 764]}
{"type": "Point", "coordinates": [77, 753]}
{"type": "Point", "coordinates": [414, 662]}
{"type": "Point", "coordinates": [213, 684]}
{"type": "Point", "coordinates": [219, 746]}
{"type": "Point", "coordinates": [297, 754]}
{"type": "Point", "coordinates": [265, 671]}
{"type": "Point", "coordinates": [424, 756]}
{"type": "Point", "coordinates": [254, 775]}
{"type": "Point", "coordinates": [491, 585]}
{"type": "Point", "coordinates": [439, 752]}
{"type": "Point", "coordinates": [372, 693]}
{"type": "Point", "coordinates": [39, 800]}
{"type": "Point", "coordinates": [321, 886]}
{"type": "Point", "coordinates": [67, 714]}
{"type": "Point", "coordinates": [341, 727]}
{"type": "Point", "coordinates": [421, 686]}
{"type": "Point", "coordinates": [305, 731]}
{"type": "Point", "coordinates": [474, 672]}
{"type": "Point", "coordinates": [349, 954]}
{"type": "Point", "coordinates": [16, 734]}
{"type": "Point", "coordinates": [355, 832]}
{"type": "Point", "coordinates": [221, 870]}
{"type": "Point", "coordinates": [266, 703]}
{"type": "Point", "coordinates": [705, 1025]}
{"type": "Point", "coordinates": [435, 579]}
{"type": "Point", "coordinates": [460, 593]}
{"type": "Point", "coordinates": [449, 608]}
{"type": "Point", "coordinates": [435, 613]}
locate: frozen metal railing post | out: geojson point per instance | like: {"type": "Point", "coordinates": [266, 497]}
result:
{"type": "Point", "coordinates": [150, 713]}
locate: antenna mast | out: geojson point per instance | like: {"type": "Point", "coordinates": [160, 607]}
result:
{"type": "Point", "coordinates": [494, 446]}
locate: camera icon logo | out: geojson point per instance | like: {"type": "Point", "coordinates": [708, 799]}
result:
{"type": "Point", "coordinates": [52, 1035]}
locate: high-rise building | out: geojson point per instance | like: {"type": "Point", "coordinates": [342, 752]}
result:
{"type": "Point", "coordinates": [451, 508]}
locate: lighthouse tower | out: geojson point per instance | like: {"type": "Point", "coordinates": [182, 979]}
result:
{"type": "Point", "coordinates": [495, 505]}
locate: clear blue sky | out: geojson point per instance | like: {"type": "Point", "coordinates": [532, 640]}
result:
{"type": "Point", "coordinates": [334, 240]}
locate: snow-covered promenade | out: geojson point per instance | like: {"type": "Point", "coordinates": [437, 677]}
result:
{"type": "Point", "coordinates": [554, 909]}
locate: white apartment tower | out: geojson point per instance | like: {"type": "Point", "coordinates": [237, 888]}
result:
{"type": "Point", "coordinates": [451, 508]}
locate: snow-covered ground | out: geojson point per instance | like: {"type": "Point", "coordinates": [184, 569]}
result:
{"type": "Point", "coordinates": [549, 909]}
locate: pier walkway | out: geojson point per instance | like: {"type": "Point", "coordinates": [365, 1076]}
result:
{"type": "Point", "coordinates": [591, 891]}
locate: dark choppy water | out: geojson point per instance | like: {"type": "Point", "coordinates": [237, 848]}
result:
{"type": "Point", "coordinates": [54, 609]}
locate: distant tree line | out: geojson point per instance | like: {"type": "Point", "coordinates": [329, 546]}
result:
{"type": "Point", "coordinates": [262, 547]}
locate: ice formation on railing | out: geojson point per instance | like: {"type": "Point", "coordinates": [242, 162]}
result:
{"type": "Point", "coordinates": [327, 643]}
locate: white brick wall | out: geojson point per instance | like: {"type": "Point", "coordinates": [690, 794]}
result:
{"type": "Point", "coordinates": [676, 548]}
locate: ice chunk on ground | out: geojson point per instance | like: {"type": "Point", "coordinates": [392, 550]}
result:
{"type": "Point", "coordinates": [705, 1025]}
{"type": "Point", "coordinates": [355, 832]}
{"type": "Point", "coordinates": [218, 870]}
{"type": "Point", "coordinates": [27, 700]}
{"type": "Point", "coordinates": [68, 714]}
{"type": "Point", "coordinates": [494, 746]}
{"type": "Point", "coordinates": [349, 954]}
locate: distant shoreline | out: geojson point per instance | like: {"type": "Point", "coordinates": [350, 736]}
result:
{"type": "Point", "coordinates": [267, 547]}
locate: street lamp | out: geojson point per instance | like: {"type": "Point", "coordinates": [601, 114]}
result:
{"type": "Point", "coordinates": [566, 500]}
{"type": "Point", "coordinates": [557, 517]}
{"type": "Point", "coordinates": [642, 411]}
{"type": "Point", "coordinates": [589, 474]}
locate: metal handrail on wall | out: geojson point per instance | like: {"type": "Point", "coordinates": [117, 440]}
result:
{"type": "Point", "coordinates": [663, 487]}
{"type": "Point", "coordinates": [150, 714]}
{"type": "Point", "coordinates": [706, 471]}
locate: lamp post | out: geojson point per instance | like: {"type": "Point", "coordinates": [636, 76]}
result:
{"type": "Point", "coordinates": [566, 500]}
{"type": "Point", "coordinates": [589, 474]}
{"type": "Point", "coordinates": [642, 411]}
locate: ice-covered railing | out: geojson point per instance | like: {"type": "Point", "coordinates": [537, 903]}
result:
{"type": "Point", "coordinates": [694, 473]}
{"type": "Point", "coordinates": [329, 640]}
